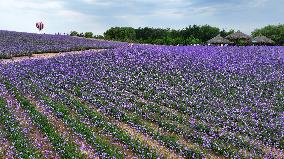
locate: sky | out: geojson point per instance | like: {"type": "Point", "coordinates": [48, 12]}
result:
{"type": "Point", "coordinates": [99, 15]}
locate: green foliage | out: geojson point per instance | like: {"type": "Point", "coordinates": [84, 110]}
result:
{"type": "Point", "coordinates": [98, 36]}
{"type": "Point", "coordinates": [274, 32]}
{"type": "Point", "coordinates": [81, 35]}
{"type": "Point", "coordinates": [88, 35]}
{"type": "Point", "coordinates": [204, 32]}
{"type": "Point", "coordinates": [225, 33]}
{"type": "Point", "coordinates": [149, 35]}
{"type": "Point", "coordinates": [191, 35]}
{"type": "Point", "coordinates": [282, 143]}
{"type": "Point", "coordinates": [74, 33]}
{"type": "Point", "coordinates": [120, 33]}
{"type": "Point", "coordinates": [242, 42]}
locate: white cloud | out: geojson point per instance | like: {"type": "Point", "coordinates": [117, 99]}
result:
{"type": "Point", "coordinates": [22, 16]}
{"type": "Point", "coordinates": [99, 2]}
{"type": "Point", "coordinates": [99, 15]}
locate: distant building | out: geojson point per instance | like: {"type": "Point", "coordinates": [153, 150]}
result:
{"type": "Point", "coordinates": [239, 38]}
{"type": "Point", "coordinates": [262, 40]}
{"type": "Point", "coordinates": [218, 40]}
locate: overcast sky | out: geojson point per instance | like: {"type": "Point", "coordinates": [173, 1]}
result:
{"type": "Point", "coordinates": [99, 15]}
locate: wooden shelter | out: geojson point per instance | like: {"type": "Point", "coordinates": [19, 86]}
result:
{"type": "Point", "coordinates": [239, 38]}
{"type": "Point", "coordinates": [218, 40]}
{"type": "Point", "coordinates": [262, 40]}
{"type": "Point", "coordinates": [238, 35]}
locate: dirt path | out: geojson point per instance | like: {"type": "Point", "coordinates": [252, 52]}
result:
{"type": "Point", "coordinates": [44, 56]}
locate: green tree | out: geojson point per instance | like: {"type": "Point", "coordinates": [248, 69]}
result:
{"type": "Point", "coordinates": [225, 33]}
{"type": "Point", "coordinates": [207, 32]}
{"type": "Point", "coordinates": [193, 34]}
{"type": "Point", "coordinates": [121, 33]}
{"type": "Point", "coordinates": [203, 32]}
{"type": "Point", "coordinates": [88, 35]}
{"type": "Point", "coordinates": [81, 35]}
{"type": "Point", "coordinates": [73, 33]}
{"type": "Point", "coordinates": [98, 36]}
{"type": "Point", "coordinates": [274, 32]}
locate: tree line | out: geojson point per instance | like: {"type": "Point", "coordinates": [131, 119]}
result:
{"type": "Point", "coordinates": [193, 34]}
{"type": "Point", "coordinates": [86, 35]}
{"type": "Point", "coordinates": [274, 32]}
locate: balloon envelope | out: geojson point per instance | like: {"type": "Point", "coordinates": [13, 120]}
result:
{"type": "Point", "coordinates": [39, 25]}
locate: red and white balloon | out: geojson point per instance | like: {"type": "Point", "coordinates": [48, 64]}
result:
{"type": "Point", "coordinates": [39, 26]}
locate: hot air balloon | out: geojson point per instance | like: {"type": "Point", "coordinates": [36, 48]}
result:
{"type": "Point", "coordinates": [39, 25]}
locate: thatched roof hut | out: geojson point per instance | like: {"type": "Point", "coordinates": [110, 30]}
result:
{"type": "Point", "coordinates": [238, 35]}
{"type": "Point", "coordinates": [218, 40]}
{"type": "Point", "coordinates": [262, 40]}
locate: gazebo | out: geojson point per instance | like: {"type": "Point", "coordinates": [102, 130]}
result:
{"type": "Point", "coordinates": [239, 38]}
{"type": "Point", "coordinates": [218, 40]}
{"type": "Point", "coordinates": [262, 40]}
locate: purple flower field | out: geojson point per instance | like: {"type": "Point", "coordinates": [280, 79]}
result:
{"type": "Point", "coordinates": [24, 44]}
{"type": "Point", "coordinates": [146, 101]}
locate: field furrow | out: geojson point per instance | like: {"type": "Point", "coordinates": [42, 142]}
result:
{"type": "Point", "coordinates": [186, 120]}
{"type": "Point", "coordinates": [194, 148]}
{"type": "Point", "coordinates": [149, 102]}
{"type": "Point", "coordinates": [64, 148]}
{"type": "Point", "coordinates": [15, 133]}
{"type": "Point", "coordinates": [137, 135]}
{"type": "Point", "coordinates": [158, 119]}
{"type": "Point", "coordinates": [161, 149]}
{"type": "Point", "coordinates": [106, 128]}
{"type": "Point", "coordinates": [64, 130]}
{"type": "Point", "coordinates": [30, 130]}
{"type": "Point", "coordinates": [116, 142]}
{"type": "Point", "coordinates": [112, 117]}
{"type": "Point", "coordinates": [6, 149]}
